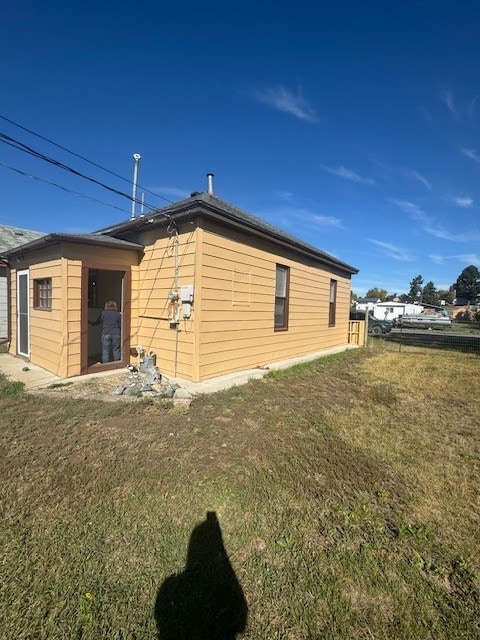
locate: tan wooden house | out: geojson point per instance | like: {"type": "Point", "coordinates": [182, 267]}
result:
{"type": "Point", "coordinates": [208, 287]}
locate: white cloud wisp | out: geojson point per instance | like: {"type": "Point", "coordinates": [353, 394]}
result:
{"type": "Point", "coordinates": [422, 179]}
{"type": "Point", "coordinates": [463, 202]}
{"type": "Point", "coordinates": [464, 258]}
{"type": "Point", "coordinates": [327, 221]}
{"type": "Point", "coordinates": [347, 174]}
{"type": "Point", "coordinates": [284, 100]}
{"type": "Point", "coordinates": [170, 191]}
{"type": "Point", "coordinates": [429, 226]}
{"type": "Point", "coordinates": [472, 154]}
{"type": "Point", "coordinates": [447, 98]}
{"type": "Point", "coordinates": [392, 251]}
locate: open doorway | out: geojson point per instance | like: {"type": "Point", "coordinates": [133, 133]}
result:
{"type": "Point", "coordinates": [103, 285]}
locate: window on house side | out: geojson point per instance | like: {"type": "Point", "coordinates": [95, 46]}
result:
{"type": "Point", "coordinates": [42, 294]}
{"type": "Point", "coordinates": [282, 285]}
{"type": "Point", "coordinates": [332, 303]}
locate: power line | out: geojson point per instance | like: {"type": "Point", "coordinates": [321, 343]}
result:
{"type": "Point", "coordinates": [54, 184]}
{"type": "Point", "coordinates": [77, 155]}
{"type": "Point", "coordinates": [16, 144]}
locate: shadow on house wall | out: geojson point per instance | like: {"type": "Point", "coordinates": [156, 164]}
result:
{"type": "Point", "coordinates": [204, 601]}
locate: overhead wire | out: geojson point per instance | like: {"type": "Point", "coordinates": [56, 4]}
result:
{"type": "Point", "coordinates": [77, 155]}
{"type": "Point", "coordinates": [37, 154]}
{"type": "Point", "coordinates": [54, 184]}
{"type": "Point", "coordinates": [16, 144]}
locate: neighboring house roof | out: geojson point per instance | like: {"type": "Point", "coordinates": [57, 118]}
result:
{"type": "Point", "coordinates": [366, 300]}
{"type": "Point", "coordinates": [11, 237]}
{"type": "Point", "coordinates": [81, 238]}
{"type": "Point", "coordinates": [211, 207]}
{"type": "Point", "coordinates": [390, 303]}
{"type": "Point", "coordinates": [427, 305]}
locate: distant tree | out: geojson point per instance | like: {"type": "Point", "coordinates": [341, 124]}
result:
{"type": "Point", "coordinates": [415, 292]}
{"type": "Point", "coordinates": [468, 283]}
{"type": "Point", "coordinates": [379, 294]}
{"type": "Point", "coordinates": [404, 298]}
{"type": "Point", "coordinates": [446, 294]}
{"type": "Point", "coordinates": [430, 293]}
{"type": "Point", "coordinates": [391, 296]}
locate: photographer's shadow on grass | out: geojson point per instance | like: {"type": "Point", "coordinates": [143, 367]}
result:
{"type": "Point", "coordinates": [204, 601]}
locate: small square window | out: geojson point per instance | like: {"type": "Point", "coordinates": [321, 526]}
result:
{"type": "Point", "coordinates": [42, 294]}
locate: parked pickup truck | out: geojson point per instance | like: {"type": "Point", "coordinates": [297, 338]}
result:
{"type": "Point", "coordinates": [425, 321]}
{"type": "Point", "coordinates": [375, 326]}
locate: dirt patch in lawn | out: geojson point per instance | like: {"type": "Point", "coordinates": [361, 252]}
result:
{"type": "Point", "coordinates": [105, 388]}
{"type": "Point", "coordinates": [98, 388]}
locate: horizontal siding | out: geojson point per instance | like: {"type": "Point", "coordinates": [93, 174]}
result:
{"type": "Point", "coordinates": [99, 255]}
{"type": "Point", "coordinates": [151, 283]}
{"type": "Point", "coordinates": [45, 332]}
{"type": "Point", "coordinates": [55, 336]}
{"type": "Point", "coordinates": [46, 357]}
{"type": "Point", "coordinates": [46, 339]}
{"type": "Point", "coordinates": [73, 276]}
{"type": "Point", "coordinates": [238, 296]}
{"type": "Point", "coordinates": [235, 285]}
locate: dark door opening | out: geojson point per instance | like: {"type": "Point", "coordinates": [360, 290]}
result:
{"type": "Point", "coordinates": [103, 286]}
{"type": "Point", "coordinates": [23, 328]}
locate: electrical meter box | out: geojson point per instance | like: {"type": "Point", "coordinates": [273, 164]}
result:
{"type": "Point", "coordinates": [186, 293]}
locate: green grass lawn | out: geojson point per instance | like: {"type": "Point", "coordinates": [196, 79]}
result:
{"type": "Point", "coordinates": [344, 495]}
{"type": "Point", "coordinates": [466, 327]}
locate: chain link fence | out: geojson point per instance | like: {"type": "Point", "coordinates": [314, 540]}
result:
{"type": "Point", "coordinates": [462, 336]}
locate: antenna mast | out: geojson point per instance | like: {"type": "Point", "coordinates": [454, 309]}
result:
{"type": "Point", "coordinates": [136, 157]}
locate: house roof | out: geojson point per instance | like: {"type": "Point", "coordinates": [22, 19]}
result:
{"type": "Point", "coordinates": [366, 300]}
{"type": "Point", "coordinates": [11, 237]}
{"type": "Point", "coordinates": [209, 206]}
{"type": "Point", "coordinates": [78, 238]}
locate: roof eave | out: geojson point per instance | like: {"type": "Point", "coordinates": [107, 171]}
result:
{"type": "Point", "coordinates": [56, 238]}
{"type": "Point", "coordinates": [198, 208]}
{"type": "Point", "coordinates": [281, 241]}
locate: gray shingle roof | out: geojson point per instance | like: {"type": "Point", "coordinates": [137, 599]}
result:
{"type": "Point", "coordinates": [11, 237]}
{"type": "Point", "coordinates": [79, 238]}
{"type": "Point", "coordinates": [204, 202]}
{"type": "Point", "coordinates": [200, 204]}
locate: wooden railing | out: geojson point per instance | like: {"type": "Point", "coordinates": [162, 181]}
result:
{"type": "Point", "coordinates": [356, 332]}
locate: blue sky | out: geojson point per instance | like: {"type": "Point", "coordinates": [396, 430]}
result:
{"type": "Point", "coordinates": [353, 125]}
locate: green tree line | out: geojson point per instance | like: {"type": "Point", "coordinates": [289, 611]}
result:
{"type": "Point", "coordinates": [466, 288]}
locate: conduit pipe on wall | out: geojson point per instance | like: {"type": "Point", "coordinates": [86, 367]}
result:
{"type": "Point", "coordinates": [175, 285]}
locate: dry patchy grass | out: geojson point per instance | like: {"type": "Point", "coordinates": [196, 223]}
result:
{"type": "Point", "coordinates": [346, 491]}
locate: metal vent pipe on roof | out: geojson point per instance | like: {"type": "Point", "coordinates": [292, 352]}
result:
{"type": "Point", "coordinates": [210, 184]}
